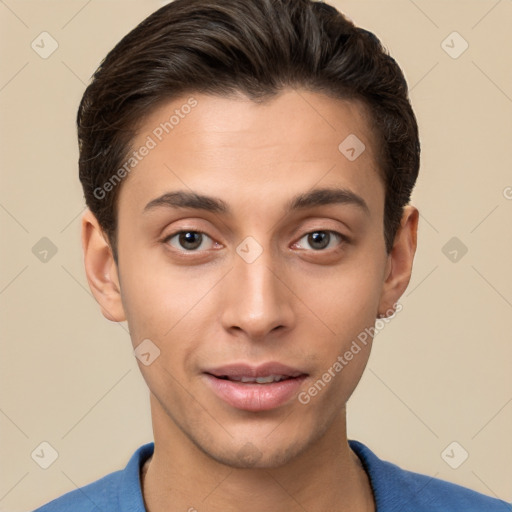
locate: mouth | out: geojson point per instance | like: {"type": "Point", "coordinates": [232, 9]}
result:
{"type": "Point", "coordinates": [255, 388]}
{"type": "Point", "coordinates": [257, 380]}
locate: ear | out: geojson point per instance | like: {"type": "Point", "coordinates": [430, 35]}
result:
{"type": "Point", "coordinates": [399, 264]}
{"type": "Point", "coordinates": [101, 269]}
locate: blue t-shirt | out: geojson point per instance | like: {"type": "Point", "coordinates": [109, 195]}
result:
{"type": "Point", "coordinates": [394, 490]}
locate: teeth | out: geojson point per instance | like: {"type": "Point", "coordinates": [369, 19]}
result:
{"type": "Point", "coordinates": [259, 380]}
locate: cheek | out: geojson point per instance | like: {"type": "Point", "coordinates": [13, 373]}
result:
{"type": "Point", "coordinates": [154, 293]}
{"type": "Point", "coordinates": [347, 303]}
{"type": "Point", "coordinates": [145, 304]}
{"type": "Point", "coordinates": [349, 310]}
{"type": "Point", "coordinates": [166, 304]}
{"type": "Point", "coordinates": [347, 299]}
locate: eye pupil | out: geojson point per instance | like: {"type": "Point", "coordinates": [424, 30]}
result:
{"type": "Point", "coordinates": [190, 239]}
{"type": "Point", "coordinates": [319, 239]}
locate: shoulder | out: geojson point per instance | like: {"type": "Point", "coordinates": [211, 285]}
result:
{"type": "Point", "coordinates": [111, 492]}
{"type": "Point", "coordinates": [396, 489]}
{"type": "Point", "coordinates": [99, 495]}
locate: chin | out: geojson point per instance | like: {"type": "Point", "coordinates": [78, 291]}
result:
{"type": "Point", "coordinates": [250, 456]}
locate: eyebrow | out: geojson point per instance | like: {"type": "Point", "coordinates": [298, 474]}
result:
{"type": "Point", "coordinates": [315, 197]}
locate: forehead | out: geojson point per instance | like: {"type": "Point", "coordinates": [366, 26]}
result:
{"type": "Point", "coordinates": [237, 149]}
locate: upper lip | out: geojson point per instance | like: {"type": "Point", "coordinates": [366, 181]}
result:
{"type": "Point", "coordinates": [246, 370]}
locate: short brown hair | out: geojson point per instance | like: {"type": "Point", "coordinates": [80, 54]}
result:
{"type": "Point", "coordinates": [257, 47]}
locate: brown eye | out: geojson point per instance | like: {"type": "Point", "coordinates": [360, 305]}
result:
{"type": "Point", "coordinates": [187, 240]}
{"type": "Point", "coordinates": [319, 240]}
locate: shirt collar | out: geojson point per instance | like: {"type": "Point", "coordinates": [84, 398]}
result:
{"type": "Point", "coordinates": [130, 491]}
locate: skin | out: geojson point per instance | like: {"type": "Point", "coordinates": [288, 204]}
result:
{"type": "Point", "coordinates": [295, 304]}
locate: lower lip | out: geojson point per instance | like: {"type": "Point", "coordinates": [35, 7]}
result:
{"type": "Point", "coordinates": [255, 397]}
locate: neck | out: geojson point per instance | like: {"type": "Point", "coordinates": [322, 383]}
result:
{"type": "Point", "coordinates": [180, 477]}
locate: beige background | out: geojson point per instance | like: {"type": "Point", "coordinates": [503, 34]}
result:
{"type": "Point", "coordinates": [440, 371]}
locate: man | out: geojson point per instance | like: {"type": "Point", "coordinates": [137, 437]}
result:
{"type": "Point", "coordinates": [247, 168]}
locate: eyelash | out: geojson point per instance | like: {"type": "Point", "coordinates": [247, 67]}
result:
{"type": "Point", "coordinates": [342, 238]}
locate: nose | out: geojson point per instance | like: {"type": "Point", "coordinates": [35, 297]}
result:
{"type": "Point", "coordinates": [257, 300]}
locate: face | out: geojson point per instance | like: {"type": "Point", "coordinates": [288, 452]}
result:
{"type": "Point", "coordinates": [252, 256]}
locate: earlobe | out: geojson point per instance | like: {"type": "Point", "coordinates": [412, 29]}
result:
{"type": "Point", "coordinates": [101, 269]}
{"type": "Point", "coordinates": [400, 260]}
